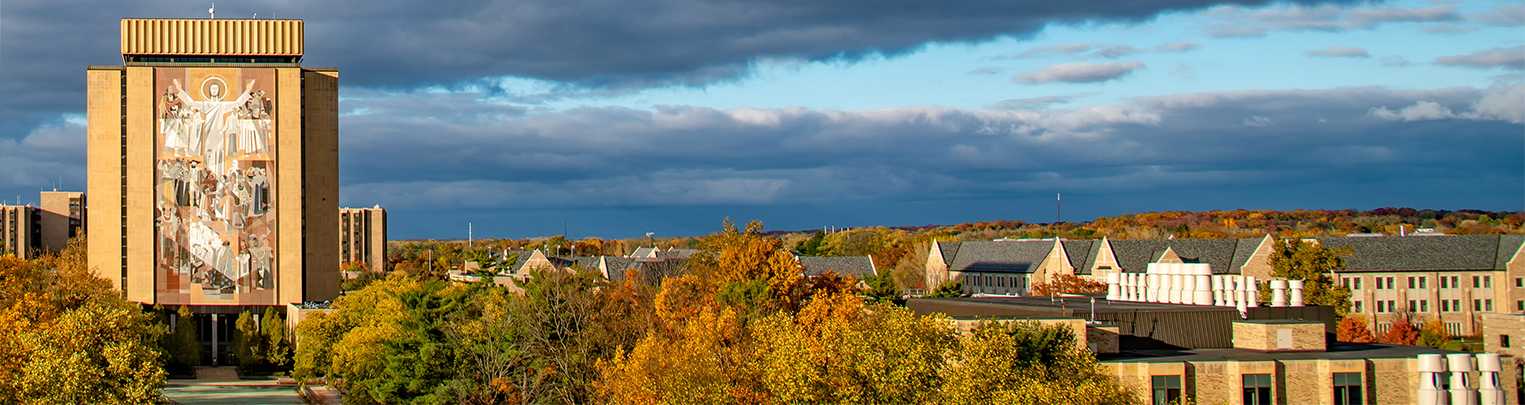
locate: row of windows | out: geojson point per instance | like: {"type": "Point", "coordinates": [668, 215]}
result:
{"type": "Point", "coordinates": [1256, 389]}
{"type": "Point", "coordinates": [1423, 305]}
{"type": "Point", "coordinates": [998, 281]}
{"type": "Point", "coordinates": [1422, 282]}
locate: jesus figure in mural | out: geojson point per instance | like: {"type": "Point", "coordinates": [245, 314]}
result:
{"type": "Point", "coordinates": [217, 116]}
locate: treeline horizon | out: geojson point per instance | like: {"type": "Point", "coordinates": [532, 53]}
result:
{"type": "Point", "coordinates": [1417, 215]}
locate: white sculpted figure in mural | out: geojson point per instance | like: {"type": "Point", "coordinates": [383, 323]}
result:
{"type": "Point", "coordinates": [216, 116]}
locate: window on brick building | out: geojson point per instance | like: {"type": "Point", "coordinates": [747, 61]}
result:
{"type": "Point", "coordinates": [1347, 389]}
{"type": "Point", "coordinates": [1257, 389]}
{"type": "Point", "coordinates": [1167, 389]}
{"type": "Point", "coordinates": [1504, 341]}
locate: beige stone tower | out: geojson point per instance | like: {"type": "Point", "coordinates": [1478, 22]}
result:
{"type": "Point", "coordinates": [213, 166]}
{"type": "Point", "coordinates": [363, 237]}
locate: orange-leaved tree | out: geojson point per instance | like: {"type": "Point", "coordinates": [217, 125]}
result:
{"type": "Point", "coordinates": [1068, 284]}
{"type": "Point", "coordinates": [1403, 332]}
{"type": "Point", "coordinates": [1353, 329]}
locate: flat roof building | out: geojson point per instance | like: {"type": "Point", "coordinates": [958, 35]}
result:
{"type": "Point", "coordinates": [62, 218]}
{"type": "Point", "coordinates": [19, 235]}
{"type": "Point", "coordinates": [363, 237]}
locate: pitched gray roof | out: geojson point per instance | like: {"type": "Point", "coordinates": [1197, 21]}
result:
{"type": "Point", "coordinates": [948, 250]}
{"type": "Point", "coordinates": [616, 267]}
{"type": "Point", "coordinates": [1508, 245]}
{"type": "Point", "coordinates": [1079, 253]}
{"type": "Point", "coordinates": [856, 266]}
{"type": "Point", "coordinates": [1220, 254]}
{"type": "Point", "coordinates": [1425, 253]}
{"type": "Point", "coordinates": [1243, 252]}
{"type": "Point", "coordinates": [1017, 256]}
{"type": "Point", "coordinates": [584, 262]}
{"type": "Point", "coordinates": [644, 252]}
{"type": "Point", "coordinates": [677, 253]}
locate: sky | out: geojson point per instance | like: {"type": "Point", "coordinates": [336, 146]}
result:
{"type": "Point", "coordinates": [617, 118]}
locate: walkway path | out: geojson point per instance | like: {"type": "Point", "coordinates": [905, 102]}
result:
{"type": "Point", "coordinates": [220, 385]}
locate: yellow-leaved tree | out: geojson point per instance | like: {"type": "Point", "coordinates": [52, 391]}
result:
{"type": "Point", "coordinates": [65, 337]}
{"type": "Point", "coordinates": [1025, 362]}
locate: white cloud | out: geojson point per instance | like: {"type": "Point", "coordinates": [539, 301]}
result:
{"type": "Point", "coordinates": [1081, 72]}
{"type": "Point", "coordinates": [1507, 58]}
{"type": "Point", "coordinates": [1339, 52]}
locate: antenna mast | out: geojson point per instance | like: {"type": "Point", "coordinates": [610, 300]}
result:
{"type": "Point", "coordinates": [1058, 207]}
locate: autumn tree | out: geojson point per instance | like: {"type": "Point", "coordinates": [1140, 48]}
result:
{"type": "Point", "coordinates": [1026, 362]}
{"type": "Point", "coordinates": [1315, 265]}
{"type": "Point", "coordinates": [65, 337]}
{"type": "Point", "coordinates": [1353, 329]}
{"type": "Point", "coordinates": [911, 270]}
{"type": "Point", "coordinates": [837, 350]}
{"type": "Point", "coordinates": [1401, 333]}
{"type": "Point", "coordinates": [1068, 284]}
{"type": "Point", "coordinates": [1434, 334]}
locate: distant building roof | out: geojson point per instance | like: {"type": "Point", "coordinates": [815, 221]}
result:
{"type": "Point", "coordinates": [1393, 253]}
{"type": "Point", "coordinates": [856, 266]}
{"type": "Point", "coordinates": [1222, 255]}
{"type": "Point", "coordinates": [644, 252]}
{"type": "Point", "coordinates": [677, 253]}
{"type": "Point", "coordinates": [1338, 351]}
{"type": "Point", "coordinates": [1017, 256]}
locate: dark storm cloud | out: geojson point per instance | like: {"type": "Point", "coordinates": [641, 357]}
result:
{"type": "Point", "coordinates": [44, 45]}
{"type": "Point", "coordinates": [1242, 22]}
{"type": "Point", "coordinates": [1260, 143]}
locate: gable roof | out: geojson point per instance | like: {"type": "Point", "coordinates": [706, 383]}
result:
{"type": "Point", "coordinates": [1015, 256]}
{"type": "Point", "coordinates": [614, 267]}
{"type": "Point", "coordinates": [644, 252]}
{"type": "Point", "coordinates": [1508, 246]}
{"type": "Point", "coordinates": [948, 250]}
{"type": "Point", "coordinates": [1220, 254]}
{"type": "Point", "coordinates": [1245, 249]}
{"type": "Point", "coordinates": [1080, 253]}
{"type": "Point", "coordinates": [857, 266]}
{"type": "Point", "coordinates": [1428, 253]}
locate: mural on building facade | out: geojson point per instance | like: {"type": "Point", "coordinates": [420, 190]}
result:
{"type": "Point", "coordinates": [215, 176]}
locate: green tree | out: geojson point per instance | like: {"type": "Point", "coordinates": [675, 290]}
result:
{"type": "Point", "coordinates": [248, 344]}
{"type": "Point", "coordinates": [277, 347]}
{"type": "Point", "coordinates": [812, 246]}
{"type": "Point", "coordinates": [184, 343]}
{"type": "Point", "coordinates": [949, 289]}
{"type": "Point", "coordinates": [1315, 265]}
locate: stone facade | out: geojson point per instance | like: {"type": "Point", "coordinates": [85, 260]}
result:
{"type": "Point", "coordinates": [18, 231]}
{"type": "Point", "coordinates": [1275, 336]}
{"type": "Point", "coordinates": [363, 237]}
{"type": "Point", "coordinates": [62, 217]}
{"type": "Point", "coordinates": [1502, 334]}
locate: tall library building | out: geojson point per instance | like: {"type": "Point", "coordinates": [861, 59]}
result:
{"type": "Point", "coordinates": [213, 171]}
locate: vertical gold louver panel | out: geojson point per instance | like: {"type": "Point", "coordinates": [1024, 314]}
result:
{"type": "Point", "coordinates": [212, 37]}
